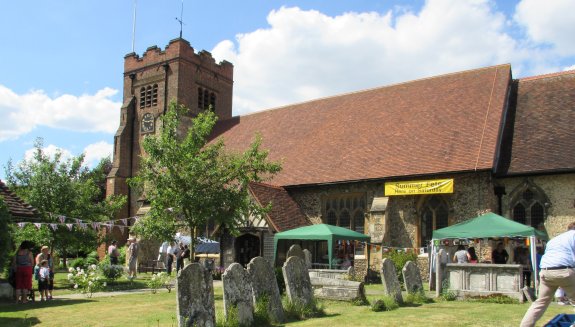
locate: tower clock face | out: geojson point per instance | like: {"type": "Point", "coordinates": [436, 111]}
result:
{"type": "Point", "coordinates": [147, 123]}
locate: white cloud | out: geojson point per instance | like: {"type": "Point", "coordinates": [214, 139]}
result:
{"type": "Point", "coordinates": [93, 153]}
{"type": "Point", "coordinates": [304, 55]}
{"type": "Point", "coordinates": [21, 113]}
{"type": "Point", "coordinates": [569, 68]}
{"type": "Point", "coordinates": [50, 151]}
{"type": "Point", "coordinates": [549, 22]}
{"type": "Point", "coordinates": [97, 151]}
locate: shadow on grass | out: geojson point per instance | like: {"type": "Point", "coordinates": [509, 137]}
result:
{"type": "Point", "coordinates": [16, 322]}
{"type": "Point", "coordinates": [410, 305]}
{"type": "Point", "coordinates": [13, 307]}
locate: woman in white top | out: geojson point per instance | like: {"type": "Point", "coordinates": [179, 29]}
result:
{"type": "Point", "coordinates": [461, 256]}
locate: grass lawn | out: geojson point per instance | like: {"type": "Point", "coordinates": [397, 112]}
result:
{"type": "Point", "coordinates": [146, 309]}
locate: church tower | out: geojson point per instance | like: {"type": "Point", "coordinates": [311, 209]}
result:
{"type": "Point", "coordinates": [151, 82]}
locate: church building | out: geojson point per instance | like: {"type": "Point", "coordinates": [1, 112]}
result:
{"type": "Point", "coordinates": [373, 160]}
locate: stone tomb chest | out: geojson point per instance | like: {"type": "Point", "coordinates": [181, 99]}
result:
{"type": "Point", "coordinates": [485, 279]}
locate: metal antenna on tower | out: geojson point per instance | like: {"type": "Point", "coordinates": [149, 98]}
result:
{"type": "Point", "coordinates": [134, 29]}
{"type": "Point", "coordinates": [180, 20]}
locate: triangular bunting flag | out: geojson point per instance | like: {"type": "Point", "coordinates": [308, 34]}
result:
{"type": "Point", "coordinates": [121, 229]}
{"type": "Point", "coordinates": [95, 225]}
{"type": "Point", "coordinates": [38, 225]}
{"type": "Point", "coordinates": [62, 219]}
{"type": "Point", "coordinates": [125, 221]}
{"type": "Point", "coordinates": [21, 225]}
{"type": "Point", "coordinates": [54, 226]}
{"type": "Point", "coordinates": [69, 226]}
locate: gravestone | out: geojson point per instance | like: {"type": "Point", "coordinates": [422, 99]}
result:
{"type": "Point", "coordinates": [296, 251]}
{"type": "Point", "coordinates": [389, 280]}
{"type": "Point", "coordinates": [195, 296]}
{"type": "Point", "coordinates": [308, 260]}
{"type": "Point", "coordinates": [265, 286]}
{"type": "Point", "coordinates": [238, 294]}
{"type": "Point", "coordinates": [412, 278]}
{"type": "Point", "coordinates": [440, 262]}
{"type": "Point", "coordinates": [298, 284]}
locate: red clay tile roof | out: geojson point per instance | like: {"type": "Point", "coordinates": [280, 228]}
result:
{"type": "Point", "coordinates": [17, 208]}
{"type": "Point", "coordinates": [540, 129]}
{"type": "Point", "coordinates": [285, 213]}
{"type": "Point", "coordinates": [442, 124]}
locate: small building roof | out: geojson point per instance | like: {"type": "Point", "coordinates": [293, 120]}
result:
{"type": "Point", "coordinates": [443, 124]}
{"type": "Point", "coordinates": [285, 214]}
{"type": "Point", "coordinates": [18, 209]}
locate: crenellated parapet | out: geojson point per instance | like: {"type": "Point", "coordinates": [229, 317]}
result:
{"type": "Point", "coordinates": [177, 49]}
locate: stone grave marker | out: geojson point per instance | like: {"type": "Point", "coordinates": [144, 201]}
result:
{"type": "Point", "coordinates": [298, 284]}
{"type": "Point", "coordinates": [238, 294]}
{"type": "Point", "coordinates": [389, 280]}
{"type": "Point", "coordinates": [308, 256]}
{"type": "Point", "coordinates": [265, 286]}
{"type": "Point", "coordinates": [412, 278]}
{"type": "Point", "coordinates": [296, 251]}
{"type": "Point", "coordinates": [195, 296]}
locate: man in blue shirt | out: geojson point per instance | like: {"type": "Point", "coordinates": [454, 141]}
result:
{"type": "Point", "coordinates": [557, 270]}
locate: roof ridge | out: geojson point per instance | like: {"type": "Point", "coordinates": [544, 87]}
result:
{"type": "Point", "coordinates": [549, 75]}
{"type": "Point", "coordinates": [268, 185]}
{"type": "Point", "coordinates": [368, 90]}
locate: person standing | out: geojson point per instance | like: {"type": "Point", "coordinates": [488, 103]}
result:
{"type": "Point", "coordinates": [471, 255]}
{"type": "Point", "coordinates": [461, 256]}
{"type": "Point", "coordinates": [43, 278]}
{"type": "Point", "coordinates": [23, 263]}
{"type": "Point", "coordinates": [557, 270]}
{"type": "Point", "coordinates": [132, 257]}
{"type": "Point", "coordinates": [46, 255]}
{"type": "Point", "coordinates": [499, 255]}
{"type": "Point", "coordinates": [170, 258]}
{"type": "Point", "coordinates": [113, 253]}
{"type": "Point", "coordinates": [179, 259]}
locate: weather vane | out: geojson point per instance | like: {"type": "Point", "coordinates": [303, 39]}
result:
{"type": "Point", "coordinates": [180, 20]}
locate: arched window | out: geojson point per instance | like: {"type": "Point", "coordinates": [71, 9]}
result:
{"type": "Point", "coordinates": [206, 99]}
{"type": "Point", "coordinates": [434, 214]}
{"type": "Point", "coordinates": [527, 204]}
{"type": "Point", "coordinates": [345, 210]}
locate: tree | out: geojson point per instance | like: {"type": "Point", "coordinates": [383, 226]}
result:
{"type": "Point", "coordinates": [190, 181]}
{"type": "Point", "coordinates": [58, 186]}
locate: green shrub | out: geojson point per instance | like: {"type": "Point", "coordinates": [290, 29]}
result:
{"type": "Point", "coordinates": [111, 272]}
{"type": "Point", "coordinates": [386, 303]}
{"type": "Point", "coordinates": [78, 263]}
{"type": "Point", "coordinates": [417, 298]}
{"type": "Point", "coordinates": [299, 311]}
{"type": "Point", "coordinates": [399, 259]}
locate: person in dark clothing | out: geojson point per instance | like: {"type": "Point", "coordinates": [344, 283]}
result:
{"type": "Point", "coordinates": [179, 258]}
{"type": "Point", "coordinates": [499, 255]}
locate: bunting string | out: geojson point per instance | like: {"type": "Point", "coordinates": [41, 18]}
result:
{"type": "Point", "coordinates": [70, 223]}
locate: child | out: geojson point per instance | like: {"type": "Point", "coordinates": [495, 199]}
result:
{"type": "Point", "coordinates": [44, 275]}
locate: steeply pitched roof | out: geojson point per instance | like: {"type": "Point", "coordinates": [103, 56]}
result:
{"type": "Point", "coordinates": [19, 209]}
{"type": "Point", "coordinates": [285, 213]}
{"type": "Point", "coordinates": [540, 133]}
{"type": "Point", "coordinates": [447, 123]}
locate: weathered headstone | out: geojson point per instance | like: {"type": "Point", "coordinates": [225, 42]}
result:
{"type": "Point", "coordinates": [195, 293]}
{"type": "Point", "coordinates": [308, 256]}
{"type": "Point", "coordinates": [412, 277]}
{"type": "Point", "coordinates": [296, 251]}
{"type": "Point", "coordinates": [238, 294]}
{"type": "Point", "coordinates": [265, 286]}
{"type": "Point", "coordinates": [338, 289]}
{"type": "Point", "coordinates": [439, 267]}
{"type": "Point", "coordinates": [298, 284]}
{"type": "Point", "coordinates": [389, 280]}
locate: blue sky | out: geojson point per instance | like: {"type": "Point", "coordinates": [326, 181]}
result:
{"type": "Point", "coordinates": [61, 63]}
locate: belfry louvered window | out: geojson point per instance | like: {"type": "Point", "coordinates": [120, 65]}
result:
{"type": "Point", "coordinates": [206, 99]}
{"type": "Point", "coordinates": [149, 96]}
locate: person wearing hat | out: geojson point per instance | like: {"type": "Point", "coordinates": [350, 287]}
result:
{"type": "Point", "coordinates": [132, 257]}
{"type": "Point", "coordinates": [46, 255]}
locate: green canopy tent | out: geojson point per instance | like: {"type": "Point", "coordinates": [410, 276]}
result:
{"type": "Point", "coordinates": [320, 232]}
{"type": "Point", "coordinates": [490, 225]}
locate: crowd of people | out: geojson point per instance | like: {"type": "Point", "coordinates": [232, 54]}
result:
{"type": "Point", "coordinates": [170, 253]}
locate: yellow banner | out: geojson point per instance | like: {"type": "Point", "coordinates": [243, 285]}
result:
{"type": "Point", "coordinates": [436, 186]}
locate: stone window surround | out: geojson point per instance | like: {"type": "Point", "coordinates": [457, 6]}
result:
{"type": "Point", "coordinates": [516, 197]}
{"type": "Point", "coordinates": [421, 204]}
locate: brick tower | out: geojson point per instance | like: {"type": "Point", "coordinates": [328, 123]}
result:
{"type": "Point", "coordinates": [151, 82]}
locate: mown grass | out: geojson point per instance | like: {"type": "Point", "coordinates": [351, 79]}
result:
{"type": "Point", "coordinates": [146, 309]}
